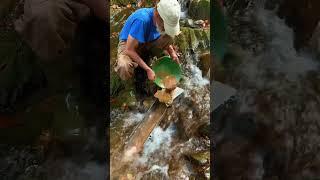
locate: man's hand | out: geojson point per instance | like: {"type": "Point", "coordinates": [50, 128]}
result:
{"type": "Point", "coordinates": [175, 58]}
{"type": "Point", "coordinates": [151, 74]}
{"type": "Point", "coordinates": [173, 54]}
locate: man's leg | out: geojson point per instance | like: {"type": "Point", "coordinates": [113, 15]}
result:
{"type": "Point", "coordinates": [124, 65]}
{"type": "Point", "coordinates": [126, 68]}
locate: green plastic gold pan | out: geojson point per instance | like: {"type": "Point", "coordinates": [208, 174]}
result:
{"type": "Point", "coordinates": [165, 66]}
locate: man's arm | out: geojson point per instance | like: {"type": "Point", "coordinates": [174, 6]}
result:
{"type": "Point", "coordinates": [131, 46]}
{"type": "Point", "coordinates": [173, 54]}
{"type": "Point", "coordinates": [99, 7]}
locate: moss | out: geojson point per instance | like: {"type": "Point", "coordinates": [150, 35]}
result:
{"type": "Point", "coordinates": [116, 85]}
{"type": "Point", "coordinates": [193, 41]}
{"type": "Point", "coordinates": [193, 38]}
{"type": "Point", "coordinates": [181, 40]}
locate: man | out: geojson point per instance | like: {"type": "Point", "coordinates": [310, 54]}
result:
{"type": "Point", "coordinates": [145, 29]}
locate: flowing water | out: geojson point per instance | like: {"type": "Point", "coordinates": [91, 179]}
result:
{"type": "Point", "coordinates": [176, 148]}
{"type": "Point", "coordinates": [278, 96]}
{"type": "Point", "coordinates": [164, 154]}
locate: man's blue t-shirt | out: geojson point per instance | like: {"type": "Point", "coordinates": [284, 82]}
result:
{"type": "Point", "coordinates": [140, 26]}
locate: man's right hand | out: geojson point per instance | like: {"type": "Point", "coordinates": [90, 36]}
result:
{"type": "Point", "coordinates": [151, 74]}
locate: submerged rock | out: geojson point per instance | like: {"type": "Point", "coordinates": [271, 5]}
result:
{"type": "Point", "coordinates": [205, 63]}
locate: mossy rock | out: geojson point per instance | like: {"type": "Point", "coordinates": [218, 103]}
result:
{"type": "Point", "coordinates": [193, 38]}
{"type": "Point", "coordinates": [199, 9]}
{"type": "Point", "coordinates": [204, 62]}
{"type": "Point", "coordinates": [201, 157]}
{"type": "Point", "coordinates": [116, 85]}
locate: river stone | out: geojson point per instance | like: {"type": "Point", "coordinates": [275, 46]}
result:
{"type": "Point", "coordinates": [155, 174]}
{"type": "Point", "coordinates": [199, 9]}
{"type": "Point", "coordinates": [201, 157]}
{"type": "Point", "coordinates": [204, 63]}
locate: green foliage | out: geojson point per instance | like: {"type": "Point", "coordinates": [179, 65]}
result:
{"type": "Point", "coordinates": [116, 85]}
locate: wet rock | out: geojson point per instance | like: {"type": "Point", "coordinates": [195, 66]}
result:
{"type": "Point", "coordinates": [204, 63]}
{"type": "Point", "coordinates": [155, 174]}
{"type": "Point", "coordinates": [201, 163]}
{"type": "Point", "coordinates": [193, 118]}
{"type": "Point", "coordinates": [193, 39]}
{"type": "Point", "coordinates": [204, 130]}
{"type": "Point", "coordinates": [199, 9]}
{"type": "Point", "coordinates": [201, 158]}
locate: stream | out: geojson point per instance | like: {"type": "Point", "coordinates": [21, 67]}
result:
{"type": "Point", "coordinates": [271, 130]}
{"type": "Point", "coordinates": [178, 147]}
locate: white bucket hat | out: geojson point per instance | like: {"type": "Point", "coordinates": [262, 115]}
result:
{"type": "Point", "coordinates": [169, 11]}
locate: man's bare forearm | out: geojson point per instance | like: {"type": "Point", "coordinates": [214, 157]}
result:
{"type": "Point", "coordinates": [134, 56]}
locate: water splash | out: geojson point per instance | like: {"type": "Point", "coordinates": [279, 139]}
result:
{"type": "Point", "coordinates": [133, 118]}
{"type": "Point", "coordinates": [280, 58]}
{"type": "Point", "coordinates": [277, 85]}
{"type": "Point", "coordinates": [159, 140]}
